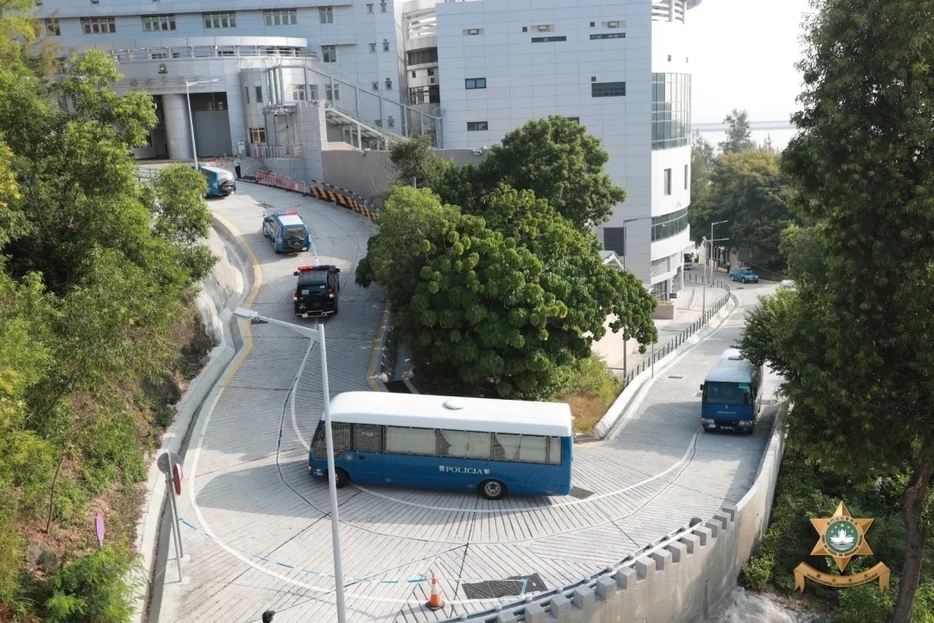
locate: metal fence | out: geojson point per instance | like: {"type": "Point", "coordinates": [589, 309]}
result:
{"type": "Point", "coordinates": [658, 351]}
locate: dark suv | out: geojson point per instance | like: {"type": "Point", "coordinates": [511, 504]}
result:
{"type": "Point", "coordinates": [316, 290]}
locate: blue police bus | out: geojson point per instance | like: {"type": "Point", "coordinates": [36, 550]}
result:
{"type": "Point", "coordinates": [489, 446]}
{"type": "Point", "coordinates": [731, 394]}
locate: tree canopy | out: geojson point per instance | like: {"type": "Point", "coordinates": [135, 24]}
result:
{"type": "Point", "coordinates": [500, 302]}
{"type": "Point", "coordinates": [738, 133]}
{"type": "Point", "coordinates": [96, 274]}
{"type": "Point", "coordinates": [854, 342]}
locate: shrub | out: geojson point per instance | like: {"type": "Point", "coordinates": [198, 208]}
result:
{"type": "Point", "coordinates": [864, 604]}
{"type": "Point", "coordinates": [91, 589]}
{"type": "Point", "coordinates": [757, 572]}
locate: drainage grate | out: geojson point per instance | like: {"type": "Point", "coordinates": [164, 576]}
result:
{"type": "Point", "coordinates": [515, 585]}
{"type": "Point", "coordinates": [675, 376]}
{"type": "Point", "coordinates": [580, 494]}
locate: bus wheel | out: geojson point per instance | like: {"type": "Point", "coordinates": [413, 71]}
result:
{"type": "Point", "coordinates": [492, 489]}
{"type": "Point", "coordinates": [342, 478]}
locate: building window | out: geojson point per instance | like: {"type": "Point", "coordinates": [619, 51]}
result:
{"type": "Point", "coordinates": [549, 39]}
{"type": "Point", "coordinates": [686, 177]}
{"type": "Point", "coordinates": [574, 119]}
{"type": "Point", "coordinates": [668, 225]}
{"type": "Point", "coordinates": [313, 91]}
{"type": "Point", "coordinates": [476, 126]}
{"type": "Point", "coordinates": [227, 19]}
{"type": "Point", "coordinates": [369, 8]}
{"type": "Point", "coordinates": [614, 239]}
{"type": "Point", "coordinates": [470, 32]}
{"type": "Point", "coordinates": [475, 83]}
{"type": "Point", "coordinates": [329, 53]}
{"type": "Point", "coordinates": [332, 92]}
{"type": "Point", "coordinates": [609, 35]}
{"type": "Point", "coordinates": [259, 95]}
{"type": "Point", "coordinates": [280, 17]}
{"type": "Point", "coordinates": [98, 25]}
{"type": "Point", "coordinates": [385, 45]}
{"type": "Point", "coordinates": [425, 55]}
{"type": "Point", "coordinates": [388, 84]}
{"type": "Point", "coordinates": [326, 14]}
{"type": "Point", "coordinates": [382, 7]}
{"type": "Point", "coordinates": [373, 48]}
{"type": "Point", "coordinates": [257, 135]}
{"type": "Point", "coordinates": [667, 181]}
{"type": "Point", "coordinates": [607, 89]}
{"type": "Point", "coordinates": [375, 85]}
{"type": "Point", "coordinates": [671, 110]}
{"type": "Point", "coordinates": [247, 94]}
{"type": "Point", "coordinates": [425, 95]}
{"type": "Point", "coordinates": [52, 27]}
{"type": "Point", "coordinates": [298, 92]}
{"type": "Point", "coordinates": [158, 23]}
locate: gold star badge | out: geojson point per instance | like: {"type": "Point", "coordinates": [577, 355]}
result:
{"type": "Point", "coordinates": [841, 537]}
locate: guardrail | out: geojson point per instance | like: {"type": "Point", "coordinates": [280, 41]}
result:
{"type": "Point", "coordinates": [673, 343]}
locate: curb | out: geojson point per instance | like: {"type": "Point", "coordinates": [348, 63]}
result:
{"type": "Point", "coordinates": [617, 411]}
{"type": "Point", "coordinates": [152, 527]}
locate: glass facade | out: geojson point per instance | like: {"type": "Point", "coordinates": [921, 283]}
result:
{"type": "Point", "coordinates": [671, 110]}
{"type": "Point", "coordinates": [668, 225]}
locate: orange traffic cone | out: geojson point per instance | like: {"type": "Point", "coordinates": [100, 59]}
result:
{"type": "Point", "coordinates": [435, 601]}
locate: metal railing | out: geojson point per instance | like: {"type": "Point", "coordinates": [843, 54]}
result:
{"type": "Point", "coordinates": [278, 151]}
{"type": "Point", "coordinates": [658, 352]}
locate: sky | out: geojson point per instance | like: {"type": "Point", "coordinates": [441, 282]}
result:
{"type": "Point", "coordinates": [743, 54]}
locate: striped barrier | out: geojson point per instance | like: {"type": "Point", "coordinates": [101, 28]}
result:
{"type": "Point", "coordinates": [320, 190]}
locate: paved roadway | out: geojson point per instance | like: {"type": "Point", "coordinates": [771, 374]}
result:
{"type": "Point", "coordinates": [256, 527]}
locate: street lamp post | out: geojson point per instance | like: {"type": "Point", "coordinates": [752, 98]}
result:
{"type": "Point", "coordinates": [706, 261]}
{"type": "Point", "coordinates": [191, 123]}
{"type": "Point", "coordinates": [318, 334]}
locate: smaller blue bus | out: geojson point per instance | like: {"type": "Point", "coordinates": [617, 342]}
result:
{"type": "Point", "coordinates": [731, 394]}
{"type": "Point", "coordinates": [489, 446]}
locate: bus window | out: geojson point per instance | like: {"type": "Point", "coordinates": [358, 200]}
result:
{"type": "Point", "coordinates": [726, 393]}
{"type": "Point", "coordinates": [410, 441]}
{"type": "Point", "coordinates": [341, 434]}
{"type": "Point", "coordinates": [554, 450]}
{"type": "Point", "coordinates": [468, 445]}
{"type": "Point", "coordinates": [506, 447]}
{"type": "Point", "coordinates": [368, 438]}
{"type": "Point", "coordinates": [532, 449]}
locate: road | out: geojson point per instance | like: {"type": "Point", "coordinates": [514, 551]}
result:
{"type": "Point", "coordinates": [257, 529]}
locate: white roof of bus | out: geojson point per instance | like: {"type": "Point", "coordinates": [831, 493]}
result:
{"type": "Point", "coordinates": [290, 219]}
{"type": "Point", "coordinates": [425, 411]}
{"type": "Point", "coordinates": [731, 368]}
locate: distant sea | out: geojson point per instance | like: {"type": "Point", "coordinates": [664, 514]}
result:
{"type": "Point", "coordinates": [780, 138]}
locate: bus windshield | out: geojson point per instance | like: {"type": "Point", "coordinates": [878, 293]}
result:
{"type": "Point", "coordinates": [727, 393]}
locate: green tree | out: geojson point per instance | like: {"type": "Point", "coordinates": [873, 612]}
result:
{"type": "Point", "coordinates": [803, 249]}
{"type": "Point", "coordinates": [750, 191]}
{"type": "Point", "coordinates": [554, 158]}
{"type": "Point", "coordinates": [738, 133]}
{"type": "Point", "coordinates": [415, 162]}
{"type": "Point", "coordinates": [703, 162]}
{"type": "Point", "coordinates": [503, 303]}
{"type": "Point", "coordinates": [181, 218]}
{"type": "Point", "coordinates": [855, 345]}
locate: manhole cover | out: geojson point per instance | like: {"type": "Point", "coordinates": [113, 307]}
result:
{"type": "Point", "coordinates": [515, 585]}
{"type": "Point", "coordinates": [580, 494]}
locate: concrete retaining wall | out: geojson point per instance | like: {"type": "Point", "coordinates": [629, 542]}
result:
{"type": "Point", "coordinates": [679, 579]}
{"type": "Point", "coordinates": [229, 282]}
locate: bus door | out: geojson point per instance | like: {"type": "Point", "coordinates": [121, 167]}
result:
{"type": "Point", "coordinates": [368, 454]}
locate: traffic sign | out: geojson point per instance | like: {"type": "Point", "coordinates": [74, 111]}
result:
{"type": "Point", "coordinates": [177, 477]}
{"type": "Point", "coordinates": [166, 460]}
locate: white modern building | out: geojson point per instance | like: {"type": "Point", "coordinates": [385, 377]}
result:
{"type": "Point", "coordinates": [287, 81]}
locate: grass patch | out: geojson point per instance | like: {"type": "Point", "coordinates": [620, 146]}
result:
{"type": "Point", "coordinates": [590, 389]}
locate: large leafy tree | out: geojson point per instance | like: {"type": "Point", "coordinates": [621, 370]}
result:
{"type": "Point", "coordinates": [738, 133]}
{"type": "Point", "coordinates": [854, 344]}
{"type": "Point", "coordinates": [703, 162]}
{"type": "Point", "coordinates": [555, 158]}
{"type": "Point", "coordinates": [501, 303]}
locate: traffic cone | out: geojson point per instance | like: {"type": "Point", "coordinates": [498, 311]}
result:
{"type": "Point", "coordinates": [435, 601]}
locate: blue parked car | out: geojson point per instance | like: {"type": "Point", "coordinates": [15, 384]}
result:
{"type": "Point", "coordinates": [221, 182]}
{"type": "Point", "coordinates": [744, 274]}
